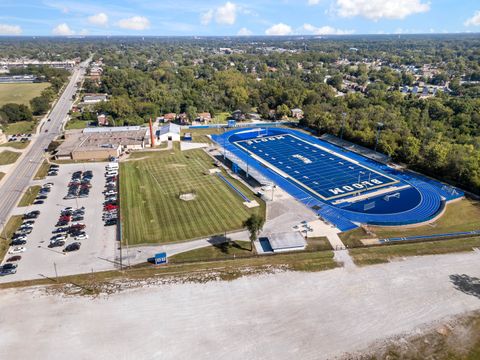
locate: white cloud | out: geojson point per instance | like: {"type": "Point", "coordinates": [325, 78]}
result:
{"type": "Point", "coordinates": [279, 30]}
{"type": "Point", "coordinates": [325, 30]}
{"type": "Point", "coordinates": [206, 18]}
{"type": "Point", "coordinates": [10, 29]}
{"type": "Point", "coordinates": [100, 19]}
{"type": "Point", "coordinates": [244, 32]}
{"type": "Point", "coordinates": [62, 30]}
{"type": "Point", "coordinates": [134, 23]}
{"type": "Point", "coordinates": [83, 32]}
{"type": "Point", "coordinates": [474, 20]}
{"type": "Point", "coordinates": [378, 9]}
{"type": "Point", "coordinates": [313, 2]}
{"type": "Point", "coordinates": [224, 15]}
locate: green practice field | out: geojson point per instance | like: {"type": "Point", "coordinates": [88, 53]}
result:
{"type": "Point", "coordinates": [152, 212]}
{"type": "Point", "coordinates": [20, 93]}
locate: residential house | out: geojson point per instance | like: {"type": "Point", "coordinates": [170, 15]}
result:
{"type": "Point", "coordinates": [205, 117]}
{"type": "Point", "coordinates": [297, 113]}
{"type": "Point", "coordinates": [102, 120]}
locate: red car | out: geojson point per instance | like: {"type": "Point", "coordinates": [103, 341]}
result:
{"type": "Point", "coordinates": [65, 218]}
{"type": "Point", "coordinates": [77, 226]}
{"type": "Point", "coordinates": [14, 258]}
{"type": "Point", "coordinates": [110, 207]}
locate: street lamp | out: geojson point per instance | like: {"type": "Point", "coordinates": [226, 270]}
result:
{"type": "Point", "coordinates": [379, 129]}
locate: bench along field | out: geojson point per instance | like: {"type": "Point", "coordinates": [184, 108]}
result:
{"type": "Point", "coordinates": [168, 197]}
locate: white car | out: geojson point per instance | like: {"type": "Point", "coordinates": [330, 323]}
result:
{"type": "Point", "coordinates": [59, 237]}
{"type": "Point", "coordinates": [17, 250]}
{"type": "Point", "coordinates": [81, 237]}
{"type": "Point", "coordinates": [47, 185]}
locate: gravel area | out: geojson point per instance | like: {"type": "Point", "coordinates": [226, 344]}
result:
{"type": "Point", "coordinates": [287, 315]}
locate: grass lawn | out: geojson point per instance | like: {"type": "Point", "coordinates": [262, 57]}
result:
{"type": "Point", "coordinates": [20, 93]}
{"type": "Point", "coordinates": [318, 244]}
{"type": "Point", "coordinates": [42, 171]}
{"type": "Point", "coordinates": [12, 225]}
{"type": "Point", "coordinates": [463, 215]}
{"type": "Point", "coordinates": [215, 252]}
{"type": "Point", "coordinates": [152, 211]}
{"type": "Point", "coordinates": [16, 144]}
{"type": "Point", "coordinates": [220, 118]}
{"type": "Point", "coordinates": [385, 253]}
{"type": "Point", "coordinates": [76, 124]}
{"type": "Point", "coordinates": [200, 135]}
{"type": "Point", "coordinates": [29, 196]}
{"type": "Point", "coordinates": [8, 157]}
{"type": "Point", "coordinates": [20, 127]}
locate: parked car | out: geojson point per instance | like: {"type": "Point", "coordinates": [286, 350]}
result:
{"type": "Point", "coordinates": [7, 272]}
{"type": "Point", "coordinates": [14, 258]}
{"type": "Point", "coordinates": [81, 237]}
{"type": "Point", "coordinates": [31, 215]}
{"type": "Point", "coordinates": [17, 250]}
{"type": "Point", "coordinates": [38, 202]}
{"type": "Point", "coordinates": [56, 243]}
{"type": "Point", "coordinates": [18, 242]}
{"type": "Point", "coordinates": [9, 266]}
{"type": "Point", "coordinates": [72, 247]}
{"type": "Point", "coordinates": [111, 222]}
{"type": "Point", "coordinates": [59, 237]}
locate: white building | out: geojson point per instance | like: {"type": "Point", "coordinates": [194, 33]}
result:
{"type": "Point", "coordinates": [169, 132]}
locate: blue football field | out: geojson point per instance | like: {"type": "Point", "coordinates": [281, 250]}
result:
{"type": "Point", "coordinates": [321, 171]}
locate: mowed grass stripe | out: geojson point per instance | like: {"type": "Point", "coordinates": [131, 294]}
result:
{"type": "Point", "coordinates": [152, 211]}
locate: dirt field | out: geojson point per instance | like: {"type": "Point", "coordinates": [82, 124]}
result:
{"type": "Point", "coordinates": [286, 315]}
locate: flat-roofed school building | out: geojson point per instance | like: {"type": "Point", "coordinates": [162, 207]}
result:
{"type": "Point", "coordinates": [101, 143]}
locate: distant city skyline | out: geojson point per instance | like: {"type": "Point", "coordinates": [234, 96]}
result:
{"type": "Point", "coordinates": [248, 17]}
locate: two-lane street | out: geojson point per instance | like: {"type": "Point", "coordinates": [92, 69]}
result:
{"type": "Point", "coordinates": [18, 180]}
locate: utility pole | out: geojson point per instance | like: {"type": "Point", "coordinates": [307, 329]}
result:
{"type": "Point", "coordinates": [56, 274]}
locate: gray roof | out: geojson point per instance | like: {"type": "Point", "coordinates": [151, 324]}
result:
{"type": "Point", "coordinates": [170, 128]}
{"type": "Point", "coordinates": [283, 241]}
{"type": "Point", "coordinates": [112, 129]}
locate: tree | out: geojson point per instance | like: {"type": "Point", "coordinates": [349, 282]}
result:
{"type": "Point", "coordinates": [254, 224]}
{"type": "Point", "coordinates": [39, 105]}
{"type": "Point", "coordinates": [16, 112]}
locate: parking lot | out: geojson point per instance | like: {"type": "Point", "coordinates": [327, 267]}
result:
{"type": "Point", "coordinates": [97, 252]}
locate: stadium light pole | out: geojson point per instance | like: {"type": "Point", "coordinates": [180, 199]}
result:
{"type": "Point", "coordinates": [379, 129]}
{"type": "Point", "coordinates": [344, 115]}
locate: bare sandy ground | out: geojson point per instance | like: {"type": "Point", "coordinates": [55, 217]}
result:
{"type": "Point", "coordinates": [279, 316]}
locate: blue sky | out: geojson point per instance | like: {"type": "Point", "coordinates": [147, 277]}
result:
{"type": "Point", "coordinates": [242, 17]}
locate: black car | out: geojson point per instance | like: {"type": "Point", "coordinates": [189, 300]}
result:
{"type": "Point", "coordinates": [31, 215]}
{"type": "Point", "coordinates": [61, 223]}
{"type": "Point", "coordinates": [38, 202]}
{"type": "Point", "coordinates": [41, 197]}
{"type": "Point", "coordinates": [72, 247]}
{"type": "Point", "coordinates": [56, 243]}
{"type": "Point", "coordinates": [18, 242]}
{"type": "Point", "coordinates": [9, 266]}
{"type": "Point", "coordinates": [111, 222]}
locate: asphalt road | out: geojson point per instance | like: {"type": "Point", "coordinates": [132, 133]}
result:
{"type": "Point", "coordinates": [17, 182]}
